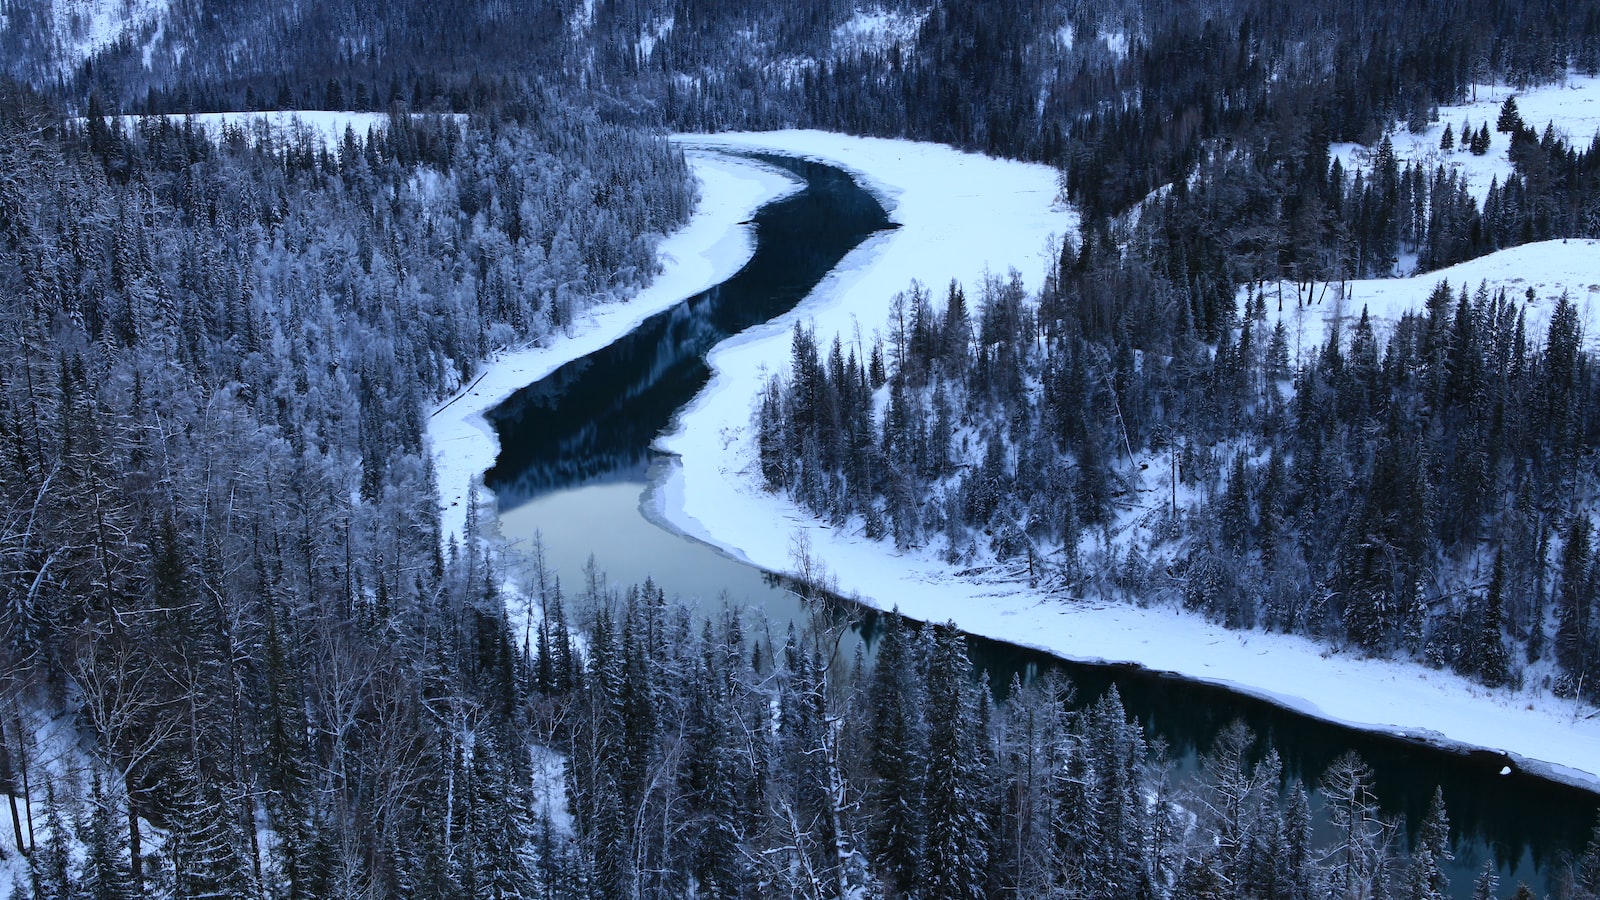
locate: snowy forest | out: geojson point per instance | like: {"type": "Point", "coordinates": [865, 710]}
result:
{"type": "Point", "coordinates": [239, 659]}
{"type": "Point", "coordinates": [221, 550]}
{"type": "Point", "coordinates": [1405, 492]}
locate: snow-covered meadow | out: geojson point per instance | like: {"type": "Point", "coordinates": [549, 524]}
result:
{"type": "Point", "coordinates": [323, 128]}
{"type": "Point", "coordinates": [1547, 268]}
{"type": "Point", "coordinates": [963, 216]}
{"type": "Point", "coordinates": [1571, 107]}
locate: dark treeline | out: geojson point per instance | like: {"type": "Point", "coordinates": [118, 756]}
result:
{"type": "Point", "coordinates": [1233, 224]}
{"type": "Point", "coordinates": [1416, 492]}
{"type": "Point", "coordinates": [227, 613]}
{"type": "Point", "coordinates": [1238, 96]}
{"type": "Point", "coordinates": [1237, 101]}
{"type": "Point", "coordinates": [1152, 82]}
{"type": "Point", "coordinates": [717, 759]}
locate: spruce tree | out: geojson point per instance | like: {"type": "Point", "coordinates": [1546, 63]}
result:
{"type": "Point", "coordinates": [51, 864]}
{"type": "Point", "coordinates": [1574, 643]}
{"type": "Point", "coordinates": [954, 859]}
{"type": "Point", "coordinates": [104, 875]}
{"type": "Point", "coordinates": [1425, 881]}
{"type": "Point", "coordinates": [1483, 887]}
{"type": "Point", "coordinates": [1510, 121]}
{"type": "Point", "coordinates": [895, 759]}
{"type": "Point", "coordinates": [1494, 663]}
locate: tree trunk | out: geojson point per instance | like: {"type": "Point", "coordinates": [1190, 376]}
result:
{"type": "Point", "coordinates": [11, 788]}
{"type": "Point", "coordinates": [135, 861]}
{"type": "Point", "coordinates": [22, 769]}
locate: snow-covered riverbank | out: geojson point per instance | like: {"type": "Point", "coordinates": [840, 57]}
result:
{"type": "Point", "coordinates": [963, 216]}
{"type": "Point", "coordinates": [716, 243]}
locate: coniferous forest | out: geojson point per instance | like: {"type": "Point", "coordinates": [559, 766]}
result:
{"type": "Point", "coordinates": [239, 659]}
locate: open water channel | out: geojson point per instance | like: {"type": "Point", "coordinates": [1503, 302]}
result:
{"type": "Point", "coordinates": [576, 469]}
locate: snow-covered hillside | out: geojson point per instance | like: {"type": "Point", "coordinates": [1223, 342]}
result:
{"type": "Point", "coordinates": [877, 29]}
{"type": "Point", "coordinates": [1547, 268]}
{"type": "Point", "coordinates": [1571, 107]}
{"type": "Point", "coordinates": [284, 126]}
{"type": "Point", "coordinates": [82, 28]}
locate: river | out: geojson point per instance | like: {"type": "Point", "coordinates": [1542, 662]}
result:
{"type": "Point", "coordinates": [576, 469]}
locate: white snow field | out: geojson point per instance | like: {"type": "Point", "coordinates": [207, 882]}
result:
{"type": "Point", "coordinates": [1572, 107]}
{"type": "Point", "coordinates": [963, 216]}
{"type": "Point", "coordinates": [1548, 268]}
{"type": "Point", "coordinates": [324, 127]}
{"type": "Point", "coordinates": [715, 244]}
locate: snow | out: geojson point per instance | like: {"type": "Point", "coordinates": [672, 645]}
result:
{"type": "Point", "coordinates": [1573, 107]}
{"type": "Point", "coordinates": [875, 28]}
{"type": "Point", "coordinates": [582, 20]}
{"type": "Point", "coordinates": [59, 758]}
{"type": "Point", "coordinates": [550, 787]}
{"type": "Point", "coordinates": [715, 244]}
{"type": "Point", "coordinates": [1116, 42]}
{"type": "Point", "coordinates": [1549, 268]}
{"type": "Point", "coordinates": [962, 216]}
{"type": "Point", "coordinates": [86, 27]}
{"type": "Point", "coordinates": [325, 126]}
{"type": "Point", "coordinates": [650, 35]}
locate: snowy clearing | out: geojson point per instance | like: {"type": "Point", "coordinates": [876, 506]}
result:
{"type": "Point", "coordinates": [1548, 268]}
{"type": "Point", "coordinates": [962, 216]}
{"type": "Point", "coordinates": [876, 28]}
{"type": "Point", "coordinates": [1572, 107]}
{"type": "Point", "coordinates": [285, 126]}
{"type": "Point", "coordinates": [715, 244]}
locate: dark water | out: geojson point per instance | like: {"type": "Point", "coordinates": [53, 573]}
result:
{"type": "Point", "coordinates": [576, 468]}
{"type": "Point", "coordinates": [594, 418]}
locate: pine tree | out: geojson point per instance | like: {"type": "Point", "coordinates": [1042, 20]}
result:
{"type": "Point", "coordinates": [954, 858]}
{"type": "Point", "coordinates": [1425, 881]}
{"type": "Point", "coordinates": [104, 875]}
{"type": "Point", "coordinates": [1510, 121]}
{"type": "Point", "coordinates": [1575, 590]}
{"type": "Point", "coordinates": [1480, 141]}
{"type": "Point", "coordinates": [208, 857]}
{"type": "Point", "coordinates": [1104, 821]}
{"type": "Point", "coordinates": [1299, 876]}
{"type": "Point", "coordinates": [501, 833]}
{"type": "Point", "coordinates": [895, 759]}
{"type": "Point", "coordinates": [711, 779]}
{"type": "Point", "coordinates": [1484, 886]}
{"type": "Point", "coordinates": [1586, 872]}
{"type": "Point", "coordinates": [1233, 517]}
{"type": "Point", "coordinates": [51, 864]}
{"type": "Point", "coordinates": [1033, 750]}
{"type": "Point", "coordinates": [1493, 662]}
